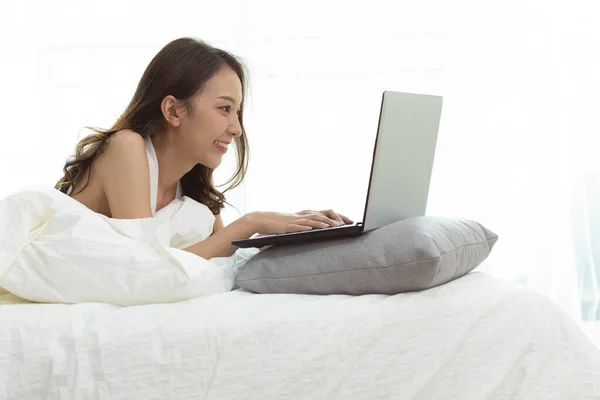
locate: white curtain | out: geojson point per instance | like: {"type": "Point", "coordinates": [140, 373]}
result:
{"type": "Point", "coordinates": [517, 140]}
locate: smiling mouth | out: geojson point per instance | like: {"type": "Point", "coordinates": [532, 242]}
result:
{"type": "Point", "coordinates": [221, 146]}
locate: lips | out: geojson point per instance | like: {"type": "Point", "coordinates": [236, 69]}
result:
{"type": "Point", "coordinates": [222, 146]}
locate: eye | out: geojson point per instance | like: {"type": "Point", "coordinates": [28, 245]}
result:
{"type": "Point", "coordinates": [226, 108]}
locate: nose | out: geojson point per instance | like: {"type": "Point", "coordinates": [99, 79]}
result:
{"type": "Point", "coordinates": [235, 127]}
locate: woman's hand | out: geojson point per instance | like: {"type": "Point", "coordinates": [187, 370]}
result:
{"type": "Point", "coordinates": [337, 218]}
{"type": "Point", "coordinates": [271, 223]}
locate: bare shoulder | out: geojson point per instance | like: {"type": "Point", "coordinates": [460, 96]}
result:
{"type": "Point", "coordinates": [125, 139]}
{"type": "Point", "coordinates": [124, 148]}
{"type": "Point", "coordinates": [124, 174]}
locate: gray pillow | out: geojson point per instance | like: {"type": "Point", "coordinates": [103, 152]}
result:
{"type": "Point", "coordinates": [408, 255]}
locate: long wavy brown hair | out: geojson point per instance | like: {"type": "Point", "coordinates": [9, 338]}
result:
{"type": "Point", "coordinates": [179, 69]}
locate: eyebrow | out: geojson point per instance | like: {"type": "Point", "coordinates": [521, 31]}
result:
{"type": "Point", "coordinates": [231, 99]}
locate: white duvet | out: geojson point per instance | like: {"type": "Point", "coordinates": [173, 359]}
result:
{"type": "Point", "coordinates": [54, 249]}
{"type": "Point", "coordinates": [474, 338]}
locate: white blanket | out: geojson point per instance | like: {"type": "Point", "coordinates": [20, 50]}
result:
{"type": "Point", "coordinates": [474, 338]}
{"type": "Point", "coordinates": [54, 249]}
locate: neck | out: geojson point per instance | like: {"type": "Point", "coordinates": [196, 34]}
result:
{"type": "Point", "coordinates": [171, 166]}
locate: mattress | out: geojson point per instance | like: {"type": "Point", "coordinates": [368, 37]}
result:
{"type": "Point", "coordinates": [474, 338]}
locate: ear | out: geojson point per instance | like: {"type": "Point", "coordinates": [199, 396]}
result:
{"type": "Point", "coordinates": [170, 111]}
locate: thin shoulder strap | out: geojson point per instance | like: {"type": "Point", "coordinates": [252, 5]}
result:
{"type": "Point", "coordinates": [178, 193]}
{"type": "Point", "coordinates": [153, 164]}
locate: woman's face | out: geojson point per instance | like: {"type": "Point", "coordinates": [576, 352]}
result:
{"type": "Point", "coordinates": [209, 128]}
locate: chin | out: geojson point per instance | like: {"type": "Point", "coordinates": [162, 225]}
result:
{"type": "Point", "coordinates": [211, 162]}
{"type": "Point", "coordinates": [213, 165]}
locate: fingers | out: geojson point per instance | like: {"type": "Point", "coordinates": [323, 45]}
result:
{"type": "Point", "coordinates": [338, 217]}
{"type": "Point", "coordinates": [317, 216]}
{"type": "Point", "coordinates": [333, 215]}
{"type": "Point", "coordinates": [328, 216]}
{"type": "Point", "coordinates": [346, 220]}
{"type": "Point", "coordinates": [264, 247]}
{"type": "Point", "coordinates": [298, 228]}
{"type": "Point", "coordinates": [315, 221]}
{"type": "Point", "coordinates": [326, 219]}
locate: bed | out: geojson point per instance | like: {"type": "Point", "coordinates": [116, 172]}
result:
{"type": "Point", "coordinates": [474, 338]}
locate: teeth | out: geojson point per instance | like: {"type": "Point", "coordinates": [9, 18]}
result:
{"type": "Point", "coordinates": [221, 143]}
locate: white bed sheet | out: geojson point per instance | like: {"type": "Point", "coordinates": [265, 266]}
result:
{"type": "Point", "coordinates": [474, 338]}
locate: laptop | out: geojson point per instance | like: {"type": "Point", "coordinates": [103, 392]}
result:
{"type": "Point", "coordinates": [400, 171]}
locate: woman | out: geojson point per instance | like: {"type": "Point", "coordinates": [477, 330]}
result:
{"type": "Point", "coordinates": [185, 114]}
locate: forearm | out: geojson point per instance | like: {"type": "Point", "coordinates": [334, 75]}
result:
{"type": "Point", "coordinates": [219, 244]}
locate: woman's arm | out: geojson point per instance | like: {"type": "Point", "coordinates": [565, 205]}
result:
{"type": "Point", "coordinates": [218, 225]}
{"type": "Point", "coordinates": [123, 172]}
{"type": "Point", "coordinates": [264, 223]}
{"type": "Point", "coordinates": [219, 243]}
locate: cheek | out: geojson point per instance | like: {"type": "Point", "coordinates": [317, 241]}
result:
{"type": "Point", "coordinates": [208, 126]}
{"type": "Point", "coordinates": [194, 130]}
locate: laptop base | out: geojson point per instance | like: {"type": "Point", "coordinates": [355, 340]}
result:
{"type": "Point", "coordinates": [315, 235]}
